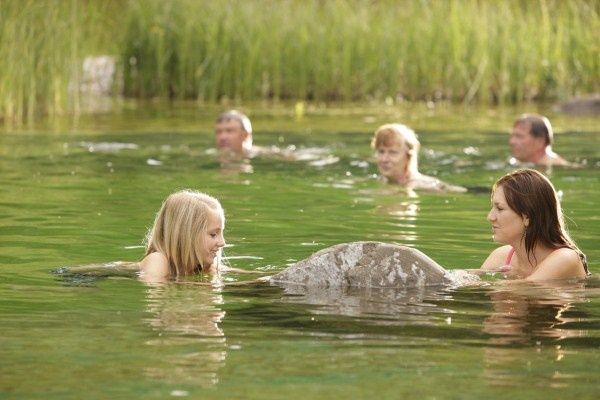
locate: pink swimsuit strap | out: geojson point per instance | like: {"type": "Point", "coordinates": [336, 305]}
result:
{"type": "Point", "coordinates": [509, 257]}
{"type": "Point", "coordinates": [506, 267]}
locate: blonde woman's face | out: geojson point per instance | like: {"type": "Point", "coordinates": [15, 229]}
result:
{"type": "Point", "coordinates": [212, 240]}
{"type": "Point", "coordinates": [392, 160]}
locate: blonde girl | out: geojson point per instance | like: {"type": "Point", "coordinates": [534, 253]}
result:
{"type": "Point", "coordinates": [186, 238]}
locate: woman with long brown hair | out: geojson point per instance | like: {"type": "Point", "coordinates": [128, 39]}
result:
{"type": "Point", "coordinates": [527, 218]}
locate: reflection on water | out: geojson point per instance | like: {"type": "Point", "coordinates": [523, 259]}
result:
{"type": "Point", "coordinates": [403, 216]}
{"type": "Point", "coordinates": [522, 315]}
{"type": "Point", "coordinates": [231, 163]}
{"type": "Point", "coordinates": [538, 316]}
{"type": "Point", "coordinates": [187, 320]}
{"type": "Point", "coordinates": [387, 305]}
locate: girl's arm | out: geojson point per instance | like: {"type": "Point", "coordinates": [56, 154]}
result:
{"type": "Point", "coordinates": [242, 271]}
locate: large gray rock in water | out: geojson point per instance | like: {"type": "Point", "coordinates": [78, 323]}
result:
{"type": "Point", "coordinates": [366, 264]}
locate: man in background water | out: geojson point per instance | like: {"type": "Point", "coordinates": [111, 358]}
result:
{"type": "Point", "coordinates": [531, 141]}
{"type": "Point", "coordinates": [233, 133]}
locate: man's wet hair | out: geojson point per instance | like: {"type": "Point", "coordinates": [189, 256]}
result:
{"type": "Point", "coordinates": [539, 126]}
{"type": "Point", "coordinates": [235, 115]}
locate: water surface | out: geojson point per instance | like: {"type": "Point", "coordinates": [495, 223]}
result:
{"type": "Point", "coordinates": [87, 193]}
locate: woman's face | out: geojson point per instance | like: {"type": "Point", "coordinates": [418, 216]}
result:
{"type": "Point", "coordinates": [507, 225]}
{"type": "Point", "coordinates": [392, 160]}
{"type": "Point", "coordinates": [212, 240]}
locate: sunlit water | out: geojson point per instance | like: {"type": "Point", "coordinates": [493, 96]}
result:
{"type": "Point", "coordinates": [88, 194]}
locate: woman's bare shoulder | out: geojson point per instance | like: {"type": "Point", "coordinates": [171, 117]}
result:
{"type": "Point", "coordinates": [496, 259]}
{"type": "Point", "coordinates": [563, 263]}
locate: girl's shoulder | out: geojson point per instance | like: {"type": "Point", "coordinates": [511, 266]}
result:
{"type": "Point", "coordinates": [155, 265]}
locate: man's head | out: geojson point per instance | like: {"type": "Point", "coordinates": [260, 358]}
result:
{"type": "Point", "coordinates": [531, 137]}
{"type": "Point", "coordinates": [233, 132]}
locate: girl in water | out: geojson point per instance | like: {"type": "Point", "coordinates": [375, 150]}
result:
{"type": "Point", "coordinates": [186, 238]}
{"type": "Point", "coordinates": [526, 217]}
{"type": "Point", "coordinates": [397, 149]}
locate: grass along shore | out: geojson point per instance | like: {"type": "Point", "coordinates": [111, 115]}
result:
{"type": "Point", "coordinates": [476, 51]}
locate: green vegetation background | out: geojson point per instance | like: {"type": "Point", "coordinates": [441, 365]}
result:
{"type": "Point", "coordinates": [482, 51]}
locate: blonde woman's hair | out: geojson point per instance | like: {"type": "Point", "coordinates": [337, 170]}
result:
{"type": "Point", "coordinates": [389, 134]}
{"type": "Point", "coordinates": [178, 230]}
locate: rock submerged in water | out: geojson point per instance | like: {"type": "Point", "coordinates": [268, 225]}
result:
{"type": "Point", "coordinates": [367, 264]}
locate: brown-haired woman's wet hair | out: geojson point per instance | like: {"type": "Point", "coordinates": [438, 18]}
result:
{"type": "Point", "coordinates": [530, 194]}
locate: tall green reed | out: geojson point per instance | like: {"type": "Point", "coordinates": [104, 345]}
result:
{"type": "Point", "coordinates": [42, 44]}
{"type": "Point", "coordinates": [337, 50]}
{"type": "Point", "coordinates": [471, 50]}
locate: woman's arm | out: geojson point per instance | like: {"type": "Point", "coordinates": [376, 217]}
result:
{"type": "Point", "coordinates": [243, 271]}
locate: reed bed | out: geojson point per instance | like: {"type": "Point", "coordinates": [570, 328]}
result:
{"type": "Point", "coordinates": [338, 50]}
{"type": "Point", "coordinates": [42, 43]}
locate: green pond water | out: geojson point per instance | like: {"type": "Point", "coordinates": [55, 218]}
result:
{"type": "Point", "coordinates": [69, 198]}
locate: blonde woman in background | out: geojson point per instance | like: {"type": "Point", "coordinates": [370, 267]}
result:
{"type": "Point", "coordinates": [397, 149]}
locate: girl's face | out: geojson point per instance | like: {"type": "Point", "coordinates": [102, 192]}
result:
{"type": "Point", "coordinates": [507, 225]}
{"type": "Point", "coordinates": [392, 160]}
{"type": "Point", "coordinates": [212, 240]}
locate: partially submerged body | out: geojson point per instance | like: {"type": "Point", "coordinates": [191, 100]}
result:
{"type": "Point", "coordinates": [127, 269]}
{"type": "Point", "coordinates": [531, 142]}
{"type": "Point", "coordinates": [397, 149]}
{"type": "Point", "coordinates": [527, 219]}
{"type": "Point", "coordinates": [420, 181]}
{"type": "Point", "coordinates": [551, 264]}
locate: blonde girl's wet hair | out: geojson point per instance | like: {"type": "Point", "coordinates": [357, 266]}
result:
{"type": "Point", "coordinates": [389, 134]}
{"type": "Point", "coordinates": [179, 230]}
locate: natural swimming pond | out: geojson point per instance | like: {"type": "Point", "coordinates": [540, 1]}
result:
{"type": "Point", "coordinates": [84, 195]}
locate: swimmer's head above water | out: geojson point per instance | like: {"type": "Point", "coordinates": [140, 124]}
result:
{"type": "Point", "coordinates": [233, 133]}
{"type": "Point", "coordinates": [531, 141]}
{"type": "Point", "coordinates": [187, 236]}
{"type": "Point", "coordinates": [397, 149]}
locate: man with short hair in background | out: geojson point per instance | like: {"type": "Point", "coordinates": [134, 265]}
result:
{"type": "Point", "coordinates": [531, 141]}
{"type": "Point", "coordinates": [233, 133]}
